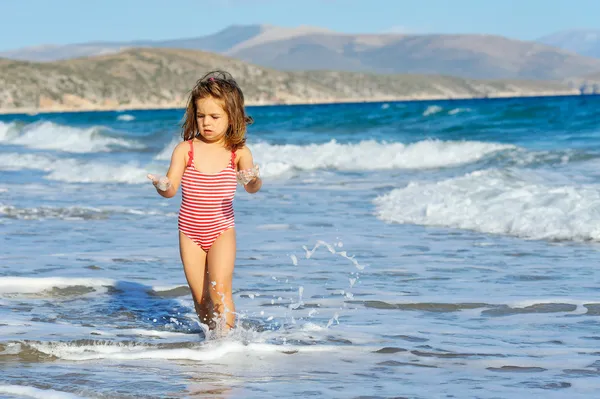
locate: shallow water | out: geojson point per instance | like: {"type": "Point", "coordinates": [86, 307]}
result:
{"type": "Point", "coordinates": [443, 249]}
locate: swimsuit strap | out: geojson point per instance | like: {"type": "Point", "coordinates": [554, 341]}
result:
{"type": "Point", "coordinates": [233, 159]}
{"type": "Point", "coordinates": [191, 154]}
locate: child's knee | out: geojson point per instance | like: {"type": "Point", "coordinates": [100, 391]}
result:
{"type": "Point", "coordinates": [220, 286]}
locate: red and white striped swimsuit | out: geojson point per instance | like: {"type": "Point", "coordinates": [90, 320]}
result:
{"type": "Point", "coordinates": [207, 202]}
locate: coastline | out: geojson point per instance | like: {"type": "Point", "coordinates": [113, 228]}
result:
{"type": "Point", "coordinates": [258, 103]}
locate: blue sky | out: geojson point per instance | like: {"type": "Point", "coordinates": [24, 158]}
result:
{"type": "Point", "coordinates": [36, 22]}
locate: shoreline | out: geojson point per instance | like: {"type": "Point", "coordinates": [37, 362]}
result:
{"type": "Point", "coordinates": [174, 106]}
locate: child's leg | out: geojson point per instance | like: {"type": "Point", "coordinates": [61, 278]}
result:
{"type": "Point", "coordinates": [206, 304]}
{"type": "Point", "coordinates": [194, 265]}
{"type": "Point", "coordinates": [221, 260]}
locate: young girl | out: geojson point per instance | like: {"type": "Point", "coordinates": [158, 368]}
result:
{"type": "Point", "coordinates": [208, 163]}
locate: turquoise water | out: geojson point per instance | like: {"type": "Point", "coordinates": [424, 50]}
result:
{"type": "Point", "coordinates": [425, 249]}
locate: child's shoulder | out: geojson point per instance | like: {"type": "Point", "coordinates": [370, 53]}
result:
{"type": "Point", "coordinates": [182, 146]}
{"type": "Point", "coordinates": [181, 150]}
{"type": "Point", "coordinates": [243, 150]}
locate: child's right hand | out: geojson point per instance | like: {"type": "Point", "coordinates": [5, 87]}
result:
{"type": "Point", "coordinates": [247, 175]}
{"type": "Point", "coordinates": [160, 182]}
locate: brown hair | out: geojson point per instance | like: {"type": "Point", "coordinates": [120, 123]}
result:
{"type": "Point", "coordinates": [220, 86]}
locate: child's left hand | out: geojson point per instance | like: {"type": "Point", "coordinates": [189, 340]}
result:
{"type": "Point", "coordinates": [160, 182]}
{"type": "Point", "coordinates": [245, 176]}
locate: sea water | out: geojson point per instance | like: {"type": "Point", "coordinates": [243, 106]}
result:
{"type": "Point", "coordinates": [420, 250]}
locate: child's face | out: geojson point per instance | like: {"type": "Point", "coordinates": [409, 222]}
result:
{"type": "Point", "coordinates": [212, 119]}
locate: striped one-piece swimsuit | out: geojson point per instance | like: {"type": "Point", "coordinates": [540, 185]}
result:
{"type": "Point", "coordinates": [207, 202]}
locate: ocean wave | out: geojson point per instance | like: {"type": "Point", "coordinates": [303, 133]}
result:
{"type": "Point", "coordinates": [46, 285]}
{"type": "Point", "coordinates": [37, 393]}
{"type": "Point", "coordinates": [436, 109]}
{"type": "Point", "coordinates": [126, 118]}
{"type": "Point", "coordinates": [516, 203]}
{"type": "Point", "coordinates": [14, 161]}
{"type": "Point", "coordinates": [286, 161]}
{"type": "Point", "coordinates": [103, 349]}
{"type": "Point", "coordinates": [45, 212]}
{"type": "Point", "coordinates": [72, 212]}
{"type": "Point", "coordinates": [75, 171]}
{"type": "Point", "coordinates": [165, 153]}
{"type": "Point", "coordinates": [72, 171]}
{"type": "Point", "coordinates": [278, 160]}
{"type": "Point", "coordinates": [455, 111]}
{"type": "Point", "coordinates": [432, 109]}
{"type": "Point", "coordinates": [52, 136]}
{"type": "Point", "coordinates": [10, 285]}
{"type": "Point", "coordinates": [373, 155]}
{"type": "Point", "coordinates": [8, 131]}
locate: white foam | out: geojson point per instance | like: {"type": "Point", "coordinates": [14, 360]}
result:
{"type": "Point", "coordinates": [458, 111]}
{"type": "Point", "coordinates": [432, 109]}
{"type": "Point", "coordinates": [13, 161]}
{"type": "Point", "coordinates": [51, 136]}
{"type": "Point", "coordinates": [72, 171]}
{"type": "Point", "coordinates": [277, 160]}
{"type": "Point", "coordinates": [72, 212]}
{"type": "Point", "coordinates": [274, 226]}
{"type": "Point", "coordinates": [33, 285]}
{"type": "Point", "coordinates": [165, 154]}
{"type": "Point", "coordinates": [125, 118]}
{"type": "Point", "coordinates": [312, 327]}
{"type": "Point", "coordinates": [371, 155]}
{"type": "Point", "coordinates": [31, 392]}
{"type": "Point", "coordinates": [126, 351]}
{"type": "Point", "coordinates": [160, 288]}
{"type": "Point", "coordinates": [7, 131]}
{"type": "Point", "coordinates": [153, 333]}
{"type": "Point", "coordinates": [499, 202]}
{"type": "Point", "coordinates": [75, 171]}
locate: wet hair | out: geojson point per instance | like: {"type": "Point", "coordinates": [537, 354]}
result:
{"type": "Point", "coordinates": [220, 86]}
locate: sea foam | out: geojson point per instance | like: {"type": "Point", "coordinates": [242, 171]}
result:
{"type": "Point", "coordinates": [52, 136]}
{"type": "Point", "coordinates": [365, 155]}
{"type": "Point", "coordinates": [498, 202]}
{"type": "Point", "coordinates": [32, 392]}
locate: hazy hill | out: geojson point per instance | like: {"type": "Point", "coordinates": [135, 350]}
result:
{"type": "Point", "coordinates": [219, 42]}
{"type": "Point", "coordinates": [595, 77]}
{"type": "Point", "coordinates": [309, 48]}
{"type": "Point", "coordinates": [584, 42]}
{"type": "Point", "coordinates": [473, 56]}
{"type": "Point", "coordinates": [154, 78]}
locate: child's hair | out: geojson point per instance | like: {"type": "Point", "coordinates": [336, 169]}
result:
{"type": "Point", "coordinates": [221, 86]}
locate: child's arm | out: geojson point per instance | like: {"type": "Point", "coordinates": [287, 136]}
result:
{"type": "Point", "coordinates": [176, 170]}
{"type": "Point", "coordinates": [245, 161]}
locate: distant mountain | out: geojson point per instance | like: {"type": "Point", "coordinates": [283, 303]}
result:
{"type": "Point", "coordinates": [50, 52]}
{"type": "Point", "coordinates": [584, 42]}
{"type": "Point", "coordinates": [595, 77]}
{"type": "Point", "coordinates": [469, 56]}
{"type": "Point", "coordinates": [220, 42]}
{"type": "Point", "coordinates": [309, 48]}
{"type": "Point", "coordinates": [161, 78]}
